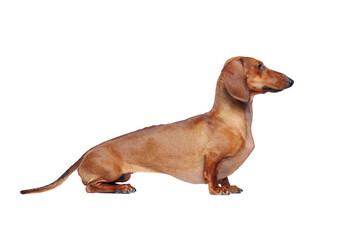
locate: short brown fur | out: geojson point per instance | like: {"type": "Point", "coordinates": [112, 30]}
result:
{"type": "Point", "coordinates": [203, 149]}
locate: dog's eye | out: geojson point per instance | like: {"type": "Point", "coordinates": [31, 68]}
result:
{"type": "Point", "coordinates": [260, 66]}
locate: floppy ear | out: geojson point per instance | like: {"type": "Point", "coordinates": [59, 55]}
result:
{"type": "Point", "coordinates": [235, 79]}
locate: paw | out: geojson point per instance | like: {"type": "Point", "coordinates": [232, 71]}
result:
{"type": "Point", "coordinates": [125, 189]}
{"type": "Point", "coordinates": [219, 191]}
{"type": "Point", "coordinates": [234, 189]}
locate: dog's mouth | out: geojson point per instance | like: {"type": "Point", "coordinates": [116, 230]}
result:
{"type": "Point", "coordinates": [269, 89]}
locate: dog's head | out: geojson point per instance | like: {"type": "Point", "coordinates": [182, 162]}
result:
{"type": "Point", "coordinates": [243, 76]}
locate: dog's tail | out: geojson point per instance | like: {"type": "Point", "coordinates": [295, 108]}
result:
{"type": "Point", "coordinates": [56, 183]}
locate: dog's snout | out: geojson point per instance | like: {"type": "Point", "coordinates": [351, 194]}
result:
{"type": "Point", "coordinates": [290, 81]}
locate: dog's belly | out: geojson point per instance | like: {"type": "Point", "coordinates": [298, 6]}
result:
{"type": "Point", "coordinates": [194, 175]}
{"type": "Point", "coordinates": [188, 169]}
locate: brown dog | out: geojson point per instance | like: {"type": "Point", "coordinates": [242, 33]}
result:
{"type": "Point", "coordinates": [203, 149]}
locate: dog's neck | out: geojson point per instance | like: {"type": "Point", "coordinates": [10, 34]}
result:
{"type": "Point", "coordinates": [230, 110]}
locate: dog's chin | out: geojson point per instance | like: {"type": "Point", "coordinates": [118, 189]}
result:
{"type": "Point", "coordinates": [269, 89]}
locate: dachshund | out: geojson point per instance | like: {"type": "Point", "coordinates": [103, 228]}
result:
{"type": "Point", "coordinates": [206, 148]}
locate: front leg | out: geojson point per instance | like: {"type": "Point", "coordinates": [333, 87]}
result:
{"type": "Point", "coordinates": [231, 189]}
{"type": "Point", "coordinates": [212, 164]}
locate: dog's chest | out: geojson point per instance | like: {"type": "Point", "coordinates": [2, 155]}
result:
{"type": "Point", "coordinates": [232, 163]}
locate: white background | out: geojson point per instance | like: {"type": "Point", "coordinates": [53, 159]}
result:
{"type": "Point", "coordinates": [76, 73]}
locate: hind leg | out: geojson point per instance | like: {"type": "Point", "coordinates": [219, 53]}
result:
{"type": "Point", "coordinates": [100, 171]}
{"type": "Point", "coordinates": [111, 187]}
{"type": "Point", "coordinates": [103, 187]}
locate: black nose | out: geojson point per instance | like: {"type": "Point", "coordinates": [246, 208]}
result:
{"type": "Point", "coordinates": [290, 81]}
